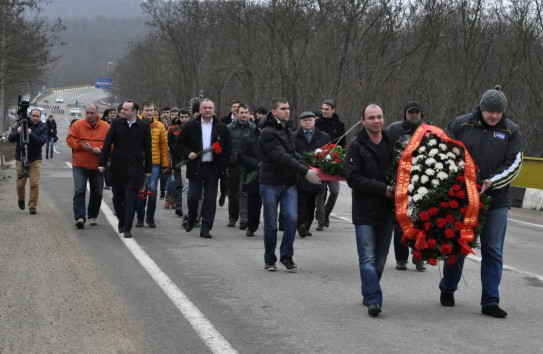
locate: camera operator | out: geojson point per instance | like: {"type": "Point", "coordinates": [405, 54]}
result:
{"type": "Point", "coordinates": [37, 136]}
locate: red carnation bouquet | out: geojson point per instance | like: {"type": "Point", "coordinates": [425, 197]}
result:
{"type": "Point", "coordinates": [438, 205]}
{"type": "Point", "coordinates": [144, 191]}
{"type": "Point", "coordinates": [328, 161]}
{"type": "Point", "coordinates": [215, 147]}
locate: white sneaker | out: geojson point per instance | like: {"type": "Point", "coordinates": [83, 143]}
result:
{"type": "Point", "coordinates": [80, 223]}
{"type": "Point", "coordinates": [92, 222]}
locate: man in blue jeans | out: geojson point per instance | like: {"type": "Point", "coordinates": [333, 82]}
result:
{"type": "Point", "coordinates": [279, 172]}
{"type": "Point", "coordinates": [366, 164]}
{"type": "Point", "coordinates": [496, 145]}
{"type": "Point", "coordinates": [86, 138]}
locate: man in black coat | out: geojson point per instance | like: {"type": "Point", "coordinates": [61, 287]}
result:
{"type": "Point", "coordinates": [366, 163]}
{"type": "Point", "coordinates": [205, 133]}
{"type": "Point", "coordinates": [331, 124]}
{"type": "Point", "coordinates": [279, 173]}
{"type": "Point", "coordinates": [307, 139]}
{"type": "Point", "coordinates": [128, 142]}
{"type": "Point", "coordinates": [412, 118]}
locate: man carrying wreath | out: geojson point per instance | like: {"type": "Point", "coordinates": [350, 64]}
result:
{"type": "Point", "coordinates": [496, 145]}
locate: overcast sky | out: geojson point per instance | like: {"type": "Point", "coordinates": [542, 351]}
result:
{"type": "Point", "coordinates": [92, 8]}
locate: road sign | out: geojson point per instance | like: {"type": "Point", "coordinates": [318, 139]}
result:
{"type": "Point", "coordinates": [104, 83]}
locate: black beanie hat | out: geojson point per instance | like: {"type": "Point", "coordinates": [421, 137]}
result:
{"type": "Point", "coordinates": [493, 100]}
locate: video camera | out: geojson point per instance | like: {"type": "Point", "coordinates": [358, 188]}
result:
{"type": "Point", "coordinates": [22, 113]}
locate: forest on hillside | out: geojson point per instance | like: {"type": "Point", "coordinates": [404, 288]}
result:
{"type": "Point", "coordinates": [444, 53]}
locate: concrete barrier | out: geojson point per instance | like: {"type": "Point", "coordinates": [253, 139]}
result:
{"type": "Point", "coordinates": [526, 198]}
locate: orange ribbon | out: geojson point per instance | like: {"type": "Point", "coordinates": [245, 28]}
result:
{"type": "Point", "coordinates": [404, 177]}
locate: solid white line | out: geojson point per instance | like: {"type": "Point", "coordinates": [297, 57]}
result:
{"type": "Point", "coordinates": [527, 223]}
{"type": "Point", "coordinates": [205, 330]}
{"type": "Point", "coordinates": [478, 258]}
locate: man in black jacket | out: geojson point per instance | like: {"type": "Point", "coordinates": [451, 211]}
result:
{"type": "Point", "coordinates": [131, 161]}
{"type": "Point", "coordinates": [366, 164]}
{"type": "Point", "coordinates": [204, 134]}
{"type": "Point", "coordinates": [279, 172]}
{"type": "Point", "coordinates": [335, 128]}
{"type": "Point", "coordinates": [37, 136]}
{"type": "Point", "coordinates": [307, 139]}
{"type": "Point", "coordinates": [412, 117]}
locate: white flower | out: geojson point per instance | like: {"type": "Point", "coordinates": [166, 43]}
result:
{"type": "Point", "coordinates": [435, 182]}
{"type": "Point", "coordinates": [422, 191]}
{"type": "Point", "coordinates": [453, 168]}
{"type": "Point", "coordinates": [442, 175]}
{"type": "Point", "coordinates": [424, 179]}
{"type": "Point", "coordinates": [417, 197]}
{"type": "Point", "coordinates": [414, 160]}
{"type": "Point", "coordinates": [410, 187]}
{"type": "Point", "coordinates": [443, 157]}
{"type": "Point", "coordinates": [422, 149]}
{"type": "Point", "coordinates": [443, 147]}
{"type": "Point", "coordinates": [451, 155]}
{"type": "Point", "coordinates": [430, 172]}
{"type": "Point", "coordinates": [415, 168]}
{"type": "Point", "coordinates": [456, 151]}
{"type": "Point", "coordinates": [414, 178]}
{"type": "Point", "coordinates": [438, 166]}
{"type": "Point", "coordinates": [327, 157]}
{"type": "Point", "coordinates": [433, 152]}
{"type": "Point", "coordinates": [318, 151]}
{"type": "Point", "coordinates": [461, 164]}
{"type": "Point", "coordinates": [432, 142]}
{"type": "Point", "coordinates": [430, 162]}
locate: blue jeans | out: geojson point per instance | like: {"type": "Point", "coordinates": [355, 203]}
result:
{"type": "Point", "coordinates": [152, 184]}
{"type": "Point", "coordinates": [208, 181]}
{"type": "Point", "coordinates": [272, 196]}
{"type": "Point", "coordinates": [492, 239]}
{"type": "Point", "coordinates": [50, 147]}
{"type": "Point", "coordinates": [94, 177]}
{"type": "Point", "coordinates": [373, 243]}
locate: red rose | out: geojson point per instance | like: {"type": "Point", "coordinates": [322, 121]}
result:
{"type": "Point", "coordinates": [456, 187]}
{"type": "Point", "coordinates": [450, 218]}
{"type": "Point", "coordinates": [446, 249]}
{"type": "Point", "coordinates": [458, 225]}
{"type": "Point", "coordinates": [335, 155]}
{"type": "Point", "coordinates": [433, 211]}
{"type": "Point", "coordinates": [451, 193]}
{"type": "Point", "coordinates": [423, 215]}
{"type": "Point", "coordinates": [463, 210]}
{"type": "Point", "coordinates": [453, 204]}
{"type": "Point", "coordinates": [461, 194]}
{"type": "Point", "coordinates": [460, 179]}
{"type": "Point", "coordinates": [444, 204]}
{"type": "Point", "coordinates": [449, 233]}
{"type": "Point", "coordinates": [441, 222]}
{"type": "Point", "coordinates": [427, 226]}
{"type": "Point", "coordinates": [451, 260]}
{"type": "Point", "coordinates": [432, 243]}
{"type": "Point", "coordinates": [216, 147]}
{"type": "Point", "coordinates": [432, 261]}
{"type": "Point", "coordinates": [417, 255]}
{"type": "Point", "coordinates": [421, 242]}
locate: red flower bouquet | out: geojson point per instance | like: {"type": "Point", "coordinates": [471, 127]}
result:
{"type": "Point", "coordinates": [328, 161]}
{"type": "Point", "coordinates": [438, 205]}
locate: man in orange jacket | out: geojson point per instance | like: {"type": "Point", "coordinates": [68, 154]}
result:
{"type": "Point", "coordinates": [86, 137]}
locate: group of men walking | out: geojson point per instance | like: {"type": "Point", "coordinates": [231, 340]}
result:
{"type": "Point", "coordinates": [139, 150]}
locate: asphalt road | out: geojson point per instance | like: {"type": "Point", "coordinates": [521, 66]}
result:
{"type": "Point", "coordinates": [169, 291]}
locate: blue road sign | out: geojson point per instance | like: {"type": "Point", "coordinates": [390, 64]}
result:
{"type": "Point", "coordinates": [104, 83]}
{"type": "Point", "coordinates": [104, 87]}
{"type": "Point", "coordinates": [100, 80]}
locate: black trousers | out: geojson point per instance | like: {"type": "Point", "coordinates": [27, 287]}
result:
{"type": "Point", "coordinates": [306, 208]}
{"type": "Point", "coordinates": [125, 201]}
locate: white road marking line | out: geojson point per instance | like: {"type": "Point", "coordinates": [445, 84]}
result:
{"type": "Point", "coordinates": [527, 223]}
{"type": "Point", "coordinates": [478, 258]}
{"type": "Point", "coordinates": [205, 330]}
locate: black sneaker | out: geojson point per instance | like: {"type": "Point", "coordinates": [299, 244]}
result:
{"type": "Point", "coordinates": [494, 311]}
{"type": "Point", "coordinates": [21, 203]}
{"type": "Point", "coordinates": [401, 265]}
{"type": "Point", "coordinates": [222, 199]}
{"type": "Point", "coordinates": [374, 310]}
{"type": "Point", "coordinates": [446, 299]}
{"type": "Point", "coordinates": [231, 223]}
{"type": "Point", "coordinates": [80, 223]}
{"type": "Point", "coordinates": [419, 265]}
{"type": "Point", "coordinates": [151, 224]}
{"type": "Point", "coordinates": [178, 211]}
{"type": "Point", "coordinates": [289, 264]}
{"type": "Point", "coordinates": [270, 267]}
{"type": "Point", "coordinates": [243, 225]}
{"type": "Point", "coordinates": [139, 223]}
{"type": "Point", "coordinates": [32, 210]}
{"type": "Point", "coordinates": [320, 226]}
{"type": "Point", "coordinates": [249, 233]}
